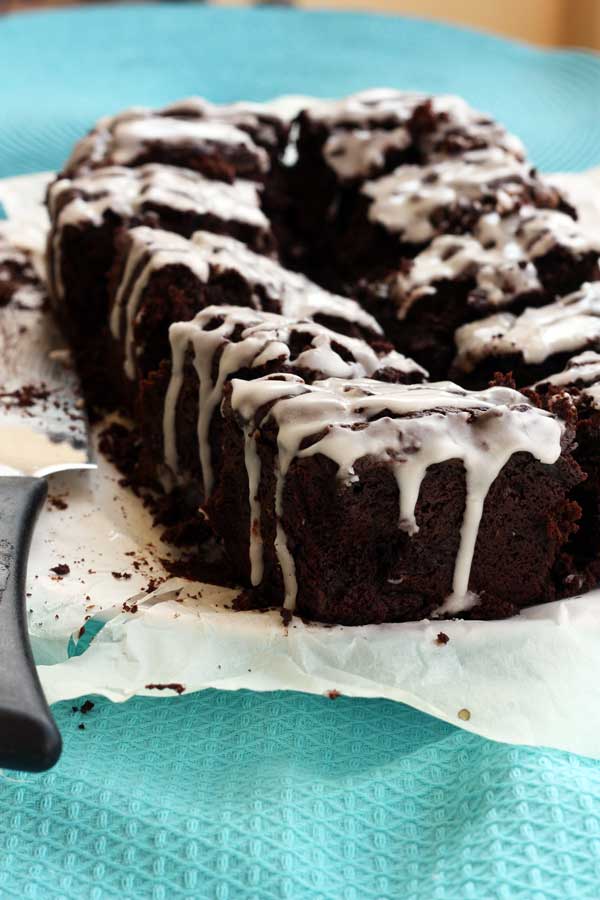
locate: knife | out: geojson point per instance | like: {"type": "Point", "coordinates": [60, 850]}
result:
{"type": "Point", "coordinates": [43, 429]}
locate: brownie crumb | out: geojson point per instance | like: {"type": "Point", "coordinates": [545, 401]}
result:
{"type": "Point", "coordinates": [442, 638]}
{"type": "Point", "coordinates": [334, 694]}
{"type": "Point", "coordinates": [57, 502]}
{"type": "Point", "coordinates": [286, 616]}
{"type": "Point", "coordinates": [86, 707]}
{"type": "Point", "coordinates": [61, 569]}
{"type": "Point", "coordinates": [130, 608]}
{"type": "Point", "coordinates": [81, 726]}
{"type": "Point", "coordinates": [178, 688]}
{"type": "Point", "coordinates": [121, 575]}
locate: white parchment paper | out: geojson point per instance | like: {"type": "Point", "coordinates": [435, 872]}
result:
{"type": "Point", "coordinates": [533, 679]}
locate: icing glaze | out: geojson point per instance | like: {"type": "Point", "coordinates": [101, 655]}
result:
{"type": "Point", "coordinates": [248, 339]}
{"type": "Point", "coordinates": [571, 323]}
{"type": "Point", "coordinates": [422, 425]}
{"type": "Point", "coordinates": [405, 201]}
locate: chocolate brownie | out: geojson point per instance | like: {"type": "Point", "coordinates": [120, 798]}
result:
{"type": "Point", "coordinates": [179, 403]}
{"type": "Point", "coordinates": [161, 278]}
{"type": "Point", "coordinates": [357, 501]}
{"type": "Point", "coordinates": [397, 215]}
{"type": "Point", "coordinates": [580, 380]}
{"type": "Point", "coordinates": [223, 142]}
{"type": "Point", "coordinates": [86, 211]}
{"type": "Point", "coordinates": [525, 259]}
{"type": "Point", "coordinates": [532, 345]}
{"type": "Point", "coordinates": [343, 143]}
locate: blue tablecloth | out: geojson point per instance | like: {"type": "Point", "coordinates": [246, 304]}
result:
{"type": "Point", "coordinates": [285, 796]}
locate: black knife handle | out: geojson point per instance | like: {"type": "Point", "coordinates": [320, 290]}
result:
{"type": "Point", "coordinates": [29, 738]}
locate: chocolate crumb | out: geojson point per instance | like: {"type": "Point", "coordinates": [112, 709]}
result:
{"type": "Point", "coordinates": [174, 686]}
{"type": "Point", "coordinates": [334, 694]}
{"type": "Point", "coordinates": [61, 569]}
{"type": "Point", "coordinates": [57, 502]}
{"type": "Point", "coordinates": [121, 575]}
{"type": "Point", "coordinates": [442, 638]}
{"type": "Point", "coordinates": [81, 726]}
{"type": "Point", "coordinates": [86, 707]}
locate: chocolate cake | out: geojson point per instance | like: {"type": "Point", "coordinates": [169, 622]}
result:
{"type": "Point", "coordinates": [532, 345]}
{"type": "Point", "coordinates": [179, 402]}
{"type": "Point", "coordinates": [253, 290]}
{"type": "Point", "coordinates": [580, 380]}
{"type": "Point", "coordinates": [356, 501]}
{"type": "Point", "coordinates": [525, 259]}
{"type": "Point", "coordinates": [160, 278]}
{"type": "Point", "coordinates": [87, 211]}
{"type": "Point", "coordinates": [224, 142]}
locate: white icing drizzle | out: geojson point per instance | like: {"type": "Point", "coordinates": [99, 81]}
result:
{"type": "Point", "coordinates": [500, 254]}
{"type": "Point", "coordinates": [361, 151]}
{"type": "Point", "coordinates": [423, 425]}
{"type": "Point", "coordinates": [571, 323]}
{"type": "Point", "coordinates": [404, 201]}
{"type": "Point", "coordinates": [206, 254]}
{"type": "Point", "coordinates": [581, 369]}
{"type": "Point", "coordinates": [127, 191]}
{"type": "Point", "coordinates": [456, 116]}
{"type": "Point", "coordinates": [250, 339]}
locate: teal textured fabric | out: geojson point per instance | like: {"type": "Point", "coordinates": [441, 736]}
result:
{"type": "Point", "coordinates": [282, 795]}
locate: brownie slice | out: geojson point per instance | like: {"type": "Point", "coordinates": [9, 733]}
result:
{"type": "Point", "coordinates": [358, 502]}
{"type": "Point", "coordinates": [580, 381]}
{"type": "Point", "coordinates": [161, 278]}
{"type": "Point", "coordinates": [532, 345]}
{"type": "Point", "coordinates": [525, 259]}
{"type": "Point", "coordinates": [343, 143]}
{"type": "Point", "coordinates": [179, 403]}
{"type": "Point", "coordinates": [398, 214]}
{"type": "Point", "coordinates": [227, 142]}
{"type": "Point", "coordinates": [86, 211]}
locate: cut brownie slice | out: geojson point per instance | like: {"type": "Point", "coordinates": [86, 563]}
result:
{"type": "Point", "coordinates": [358, 502]}
{"type": "Point", "coordinates": [580, 380]}
{"type": "Point", "coordinates": [179, 403]}
{"type": "Point", "coordinates": [532, 345]}
{"type": "Point", "coordinates": [398, 214]}
{"type": "Point", "coordinates": [228, 142]}
{"type": "Point", "coordinates": [161, 278]}
{"type": "Point", "coordinates": [86, 211]}
{"type": "Point", "coordinates": [343, 143]}
{"type": "Point", "coordinates": [526, 259]}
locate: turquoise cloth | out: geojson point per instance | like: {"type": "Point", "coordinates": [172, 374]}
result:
{"type": "Point", "coordinates": [230, 796]}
